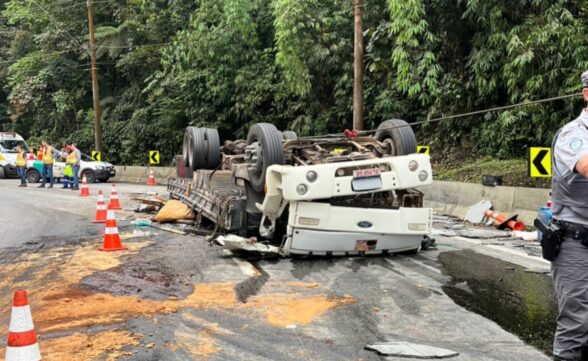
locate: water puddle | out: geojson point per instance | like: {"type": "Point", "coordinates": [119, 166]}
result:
{"type": "Point", "coordinates": [522, 303]}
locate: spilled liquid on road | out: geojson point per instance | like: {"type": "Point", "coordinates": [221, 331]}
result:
{"type": "Point", "coordinates": [520, 302]}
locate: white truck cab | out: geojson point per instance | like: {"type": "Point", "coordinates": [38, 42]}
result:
{"type": "Point", "coordinates": [8, 143]}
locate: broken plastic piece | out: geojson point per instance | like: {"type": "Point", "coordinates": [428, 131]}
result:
{"type": "Point", "coordinates": [412, 350]}
{"type": "Point", "coordinates": [234, 242]}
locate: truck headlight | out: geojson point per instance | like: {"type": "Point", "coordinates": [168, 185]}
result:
{"type": "Point", "coordinates": [423, 175]}
{"type": "Point", "coordinates": [311, 176]}
{"type": "Point", "coordinates": [413, 165]}
{"type": "Point", "coordinates": [301, 189]}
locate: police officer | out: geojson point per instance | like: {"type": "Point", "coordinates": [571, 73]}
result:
{"type": "Point", "coordinates": [570, 212]}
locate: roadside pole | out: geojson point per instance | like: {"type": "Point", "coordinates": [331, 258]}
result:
{"type": "Point", "coordinates": [358, 68]}
{"type": "Point", "coordinates": [95, 89]}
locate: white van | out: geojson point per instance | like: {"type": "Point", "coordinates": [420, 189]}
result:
{"type": "Point", "coordinates": [8, 143]}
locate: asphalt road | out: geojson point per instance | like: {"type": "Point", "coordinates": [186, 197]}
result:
{"type": "Point", "coordinates": [46, 215]}
{"type": "Point", "coordinates": [183, 300]}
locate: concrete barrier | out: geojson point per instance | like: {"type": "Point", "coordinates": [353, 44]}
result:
{"type": "Point", "coordinates": [138, 174]}
{"type": "Point", "coordinates": [454, 198]}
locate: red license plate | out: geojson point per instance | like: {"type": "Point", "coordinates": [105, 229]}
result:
{"type": "Point", "coordinates": [366, 173]}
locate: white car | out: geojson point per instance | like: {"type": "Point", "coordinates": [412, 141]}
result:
{"type": "Point", "coordinates": [93, 170]}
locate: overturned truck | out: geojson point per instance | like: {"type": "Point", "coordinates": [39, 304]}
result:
{"type": "Point", "coordinates": [333, 195]}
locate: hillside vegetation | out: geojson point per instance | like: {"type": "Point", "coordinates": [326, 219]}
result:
{"type": "Point", "coordinates": [229, 63]}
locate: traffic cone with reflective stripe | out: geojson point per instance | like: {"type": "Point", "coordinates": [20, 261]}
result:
{"type": "Point", "coordinates": [151, 180]}
{"type": "Point", "coordinates": [111, 236]}
{"type": "Point", "coordinates": [22, 339]}
{"type": "Point", "coordinates": [114, 202]}
{"type": "Point", "coordinates": [84, 191]}
{"type": "Point", "coordinates": [100, 209]}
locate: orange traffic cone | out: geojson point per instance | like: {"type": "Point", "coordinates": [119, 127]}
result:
{"type": "Point", "coordinates": [502, 221]}
{"type": "Point", "coordinates": [84, 191]}
{"type": "Point", "coordinates": [22, 339]}
{"type": "Point", "coordinates": [111, 236]}
{"type": "Point", "coordinates": [114, 202]}
{"type": "Point", "coordinates": [151, 180]}
{"type": "Point", "coordinates": [100, 209]}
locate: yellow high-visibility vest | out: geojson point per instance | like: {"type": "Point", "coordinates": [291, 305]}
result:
{"type": "Point", "coordinates": [48, 156]}
{"type": "Point", "coordinates": [20, 159]}
{"type": "Point", "coordinates": [72, 158]}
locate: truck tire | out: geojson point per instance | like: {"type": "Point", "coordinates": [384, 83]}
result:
{"type": "Point", "coordinates": [269, 140]}
{"type": "Point", "coordinates": [289, 135]}
{"type": "Point", "coordinates": [186, 147]}
{"type": "Point", "coordinates": [33, 175]}
{"type": "Point", "coordinates": [399, 134]}
{"type": "Point", "coordinates": [198, 147]}
{"type": "Point", "coordinates": [212, 148]}
{"type": "Point", "coordinates": [2, 173]}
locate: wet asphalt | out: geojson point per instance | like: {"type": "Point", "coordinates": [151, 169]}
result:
{"type": "Point", "coordinates": [397, 298]}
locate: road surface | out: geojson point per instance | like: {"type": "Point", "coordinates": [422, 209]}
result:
{"type": "Point", "coordinates": [173, 297]}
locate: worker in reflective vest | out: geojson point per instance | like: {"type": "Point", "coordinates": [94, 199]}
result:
{"type": "Point", "coordinates": [47, 165]}
{"type": "Point", "coordinates": [21, 166]}
{"type": "Point", "coordinates": [76, 157]}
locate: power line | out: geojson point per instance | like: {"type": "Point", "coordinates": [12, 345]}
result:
{"type": "Point", "coordinates": [463, 115]}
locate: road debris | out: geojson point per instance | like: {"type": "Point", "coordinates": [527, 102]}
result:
{"type": "Point", "coordinates": [413, 350]}
{"type": "Point", "coordinates": [169, 229]}
{"type": "Point", "coordinates": [173, 211]}
{"type": "Point", "coordinates": [503, 221]}
{"type": "Point", "coordinates": [234, 242]}
{"type": "Point", "coordinates": [475, 213]}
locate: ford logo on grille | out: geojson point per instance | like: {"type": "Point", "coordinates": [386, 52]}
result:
{"type": "Point", "coordinates": [364, 224]}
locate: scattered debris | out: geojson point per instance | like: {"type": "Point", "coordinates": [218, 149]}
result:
{"type": "Point", "coordinates": [234, 242]}
{"type": "Point", "coordinates": [503, 221]}
{"type": "Point", "coordinates": [527, 236]}
{"type": "Point", "coordinates": [407, 349]}
{"type": "Point", "coordinates": [150, 199]}
{"type": "Point", "coordinates": [146, 208]}
{"type": "Point", "coordinates": [142, 223]}
{"type": "Point", "coordinates": [169, 229]}
{"type": "Point", "coordinates": [173, 211]}
{"type": "Point", "coordinates": [473, 233]}
{"type": "Point", "coordinates": [475, 213]}
{"type": "Point", "coordinates": [428, 243]}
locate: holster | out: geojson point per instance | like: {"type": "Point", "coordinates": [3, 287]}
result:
{"type": "Point", "coordinates": [553, 236]}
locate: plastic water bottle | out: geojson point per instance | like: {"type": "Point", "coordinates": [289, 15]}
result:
{"type": "Point", "coordinates": [544, 215]}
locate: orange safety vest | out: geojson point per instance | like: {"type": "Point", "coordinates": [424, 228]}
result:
{"type": "Point", "coordinates": [20, 159]}
{"type": "Point", "coordinates": [48, 156]}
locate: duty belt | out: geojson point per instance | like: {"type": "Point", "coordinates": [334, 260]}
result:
{"type": "Point", "coordinates": [573, 230]}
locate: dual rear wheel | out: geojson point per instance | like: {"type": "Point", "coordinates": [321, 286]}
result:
{"type": "Point", "coordinates": [201, 148]}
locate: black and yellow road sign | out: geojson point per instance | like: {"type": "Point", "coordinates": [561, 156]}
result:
{"type": "Point", "coordinates": [540, 162]}
{"type": "Point", "coordinates": [153, 157]}
{"type": "Point", "coordinates": [97, 156]}
{"type": "Point", "coordinates": [423, 149]}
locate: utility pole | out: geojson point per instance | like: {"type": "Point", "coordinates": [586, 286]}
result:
{"type": "Point", "coordinates": [95, 89]}
{"type": "Point", "coordinates": [358, 68]}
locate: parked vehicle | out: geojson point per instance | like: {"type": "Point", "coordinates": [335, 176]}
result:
{"type": "Point", "coordinates": [8, 143]}
{"type": "Point", "coordinates": [333, 195]}
{"type": "Point", "coordinates": [94, 171]}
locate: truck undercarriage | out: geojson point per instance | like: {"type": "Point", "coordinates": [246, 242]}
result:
{"type": "Point", "coordinates": [331, 195]}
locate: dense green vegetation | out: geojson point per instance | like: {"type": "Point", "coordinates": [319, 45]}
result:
{"type": "Point", "coordinates": [229, 63]}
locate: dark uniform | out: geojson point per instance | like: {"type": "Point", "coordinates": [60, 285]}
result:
{"type": "Point", "coordinates": [570, 210]}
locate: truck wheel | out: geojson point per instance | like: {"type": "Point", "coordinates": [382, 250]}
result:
{"type": "Point", "coordinates": [264, 148]}
{"type": "Point", "coordinates": [33, 175]}
{"type": "Point", "coordinates": [2, 172]}
{"type": "Point", "coordinates": [186, 147]}
{"type": "Point", "coordinates": [90, 175]}
{"type": "Point", "coordinates": [399, 134]}
{"type": "Point", "coordinates": [289, 135]}
{"type": "Point", "coordinates": [198, 147]}
{"type": "Point", "coordinates": [212, 148]}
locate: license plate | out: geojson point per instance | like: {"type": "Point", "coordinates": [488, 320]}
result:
{"type": "Point", "coordinates": [366, 173]}
{"type": "Point", "coordinates": [363, 245]}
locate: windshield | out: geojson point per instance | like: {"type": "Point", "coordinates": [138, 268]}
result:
{"type": "Point", "coordinates": [9, 145]}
